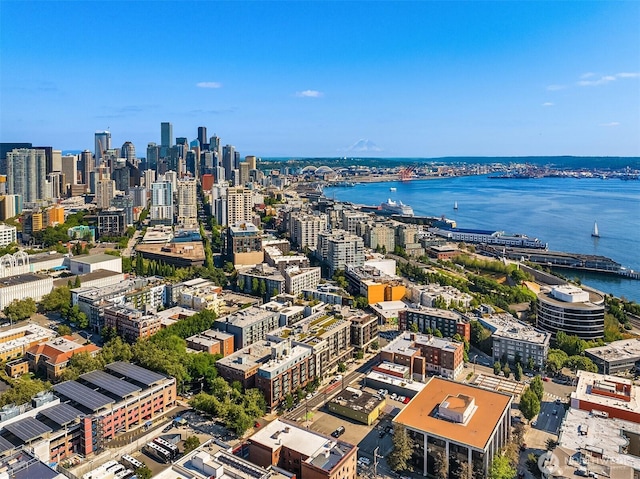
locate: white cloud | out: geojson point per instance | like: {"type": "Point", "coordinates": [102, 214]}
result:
{"type": "Point", "coordinates": [209, 84]}
{"type": "Point", "coordinates": [611, 123]}
{"type": "Point", "coordinates": [548, 103]}
{"type": "Point", "coordinates": [309, 94]}
{"type": "Point", "coordinates": [628, 75]}
{"type": "Point", "coordinates": [584, 76]}
{"type": "Point", "coordinates": [600, 81]}
{"type": "Point", "coordinates": [556, 87]}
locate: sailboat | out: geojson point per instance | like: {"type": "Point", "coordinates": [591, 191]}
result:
{"type": "Point", "coordinates": [595, 232]}
{"type": "Point", "coordinates": [455, 205]}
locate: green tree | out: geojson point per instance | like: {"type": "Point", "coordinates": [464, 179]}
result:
{"type": "Point", "coordinates": [288, 401]}
{"type": "Point", "coordinates": [531, 364]}
{"type": "Point", "coordinates": [556, 358]}
{"type": "Point", "coordinates": [342, 367]}
{"type": "Point", "coordinates": [144, 472]}
{"type": "Point", "coordinates": [64, 330]}
{"type": "Point", "coordinates": [517, 373]}
{"type": "Point", "coordinates": [529, 404]}
{"type": "Point", "coordinates": [359, 354]}
{"type": "Point", "coordinates": [413, 327]}
{"type": "Point", "coordinates": [399, 459]}
{"type": "Point", "coordinates": [20, 309]}
{"type": "Point", "coordinates": [191, 443]}
{"type": "Point", "coordinates": [361, 302]}
{"type": "Point", "coordinates": [56, 299]}
{"type": "Point", "coordinates": [375, 345]}
{"type": "Point", "coordinates": [116, 350]}
{"type": "Point", "coordinates": [441, 467]}
{"type": "Point", "coordinates": [497, 368]}
{"type": "Point", "coordinates": [501, 468]}
{"type": "Point", "coordinates": [108, 333]}
{"type": "Point", "coordinates": [537, 387]}
{"type": "Point", "coordinates": [506, 370]}
{"type": "Point", "coordinates": [22, 390]}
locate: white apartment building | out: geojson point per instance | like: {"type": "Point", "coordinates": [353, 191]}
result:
{"type": "Point", "coordinates": [8, 234]}
{"type": "Point", "coordinates": [297, 279]}
{"type": "Point", "coordinates": [161, 210]}
{"type": "Point", "coordinates": [239, 205]}
{"type": "Point", "coordinates": [304, 229]}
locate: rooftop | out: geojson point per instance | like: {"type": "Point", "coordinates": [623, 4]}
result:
{"type": "Point", "coordinates": [321, 451]}
{"type": "Point", "coordinates": [94, 258]}
{"type": "Point", "coordinates": [19, 279]}
{"type": "Point", "coordinates": [593, 435]}
{"type": "Point", "coordinates": [421, 413]}
{"type": "Point", "coordinates": [409, 343]}
{"type": "Point", "coordinates": [357, 400]}
{"type": "Point", "coordinates": [247, 317]}
{"type": "Point", "coordinates": [505, 326]}
{"type": "Point", "coordinates": [607, 391]}
{"type": "Point", "coordinates": [617, 350]}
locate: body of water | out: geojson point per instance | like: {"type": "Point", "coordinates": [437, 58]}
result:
{"type": "Point", "coordinates": [558, 211]}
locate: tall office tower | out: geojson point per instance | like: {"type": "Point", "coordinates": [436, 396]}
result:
{"type": "Point", "coordinates": [161, 210]}
{"type": "Point", "coordinates": [26, 173]}
{"type": "Point", "coordinates": [139, 195]}
{"type": "Point", "coordinates": [253, 162]}
{"type": "Point", "coordinates": [236, 160]}
{"type": "Point", "coordinates": [239, 205]}
{"type": "Point", "coordinates": [121, 175]}
{"type": "Point", "coordinates": [56, 160]}
{"type": "Point", "coordinates": [202, 135]}
{"type": "Point", "coordinates": [6, 148]}
{"type": "Point", "coordinates": [149, 177]}
{"type": "Point", "coordinates": [105, 192]}
{"type": "Point", "coordinates": [206, 163]}
{"type": "Point", "coordinates": [70, 169]}
{"type": "Point", "coordinates": [244, 173]}
{"type": "Point", "coordinates": [228, 159]}
{"type": "Point", "coordinates": [86, 159]}
{"type": "Point", "coordinates": [128, 151]}
{"type": "Point", "coordinates": [48, 155]}
{"type": "Point", "coordinates": [103, 143]}
{"type": "Point", "coordinates": [166, 135]}
{"type": "Point", "coordinates": [191, 168]}
{"type": "Point", "coordinates": [153, 154]}
{"type": "Point", "coordinates": [55, 186]}
{"type": "Point", "coordinates": [219, 174]}
{"type": "Point", "coordinates": [187, 202]}
{"type": "Point", "coordinates": [214, 145]}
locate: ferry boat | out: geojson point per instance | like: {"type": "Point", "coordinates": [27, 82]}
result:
{"type": "Point", "coordinates": [392, 189]}
{"type": "Point", "coordinates": [391, 207]}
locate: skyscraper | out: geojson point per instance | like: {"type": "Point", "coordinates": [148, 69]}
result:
{"type": "Point", "coordinates": [103, 143]}
{"type": "Point", "coordinates": [166, 138]}
{"type": "Point", "coordinates": [26, 173]}
{"type": "Point", "coordinates": [202, 135]}
{"type": "Point", "coordinates": [187, 202]}
{"type": "Point", "coordinates": [128, 151]}
{"type": "Point", "coordinates": [86, 161]}
{"type": "Point", "coordinates": [228, 160]}
{"type": "Point", "coordinates": [153, 154]}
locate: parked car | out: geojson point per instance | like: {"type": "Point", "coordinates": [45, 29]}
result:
{"type": "Point", "coordinates": [406, 400]}
{"type": "Point", "coordinates": [558, 401]}
{"type": "Point", "coordinates": [338, 432]}
{"type": "Point", "coordinates": [401, 398]}
{"type": "Point", "coordinates": [365, 461]}
{"type": "Point", "coordinates": [394, 396]}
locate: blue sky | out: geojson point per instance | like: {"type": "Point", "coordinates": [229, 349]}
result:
{"type": "Point", "coordinates": [414, 79]}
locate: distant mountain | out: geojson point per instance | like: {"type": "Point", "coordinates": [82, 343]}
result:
{"type": "Point", "coordinates": [363, 145]}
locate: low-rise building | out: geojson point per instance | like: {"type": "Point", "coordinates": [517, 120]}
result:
{"type": "Point", "coordinates": [261, 280]}
{"type": "Point", "coordinates": [364, 329]}
{"type": "Point", "coordinates": [130, 323]}
{"type": "Point", "coordinates": [603, 446]}
{"type": "Point", "coordinates": [274, 257]}
{"type": "Point", "coordinates": [15, 341]}
{"type": "Point", "coordinates": [374, 285]}
{"type": "Point", "coordinates": [456, 423]}
{"type": "Point", "coordinates": [90, 263]}
{"type": "Point", "coordinates": [248, 325]}
{"type": "Point", "coordinates": [203, 295]}
{"type": "Point", "coordinates": [448, 322]}
{"type": "Point", "coordinates": [8, 234]}
{"type": "Point", "coordinates": [358, 405]}
{"type": "Point", "coordinates": [514, 339]}
{"type": "Point", "coordinates": [244, 244]}
{"type": "Point", "coordinates": [181, 255]}
{"type": "Point", "coordinates": [431, 295]}
{"type": "Point", "coordinates": [212, 342]}
{"type": "Point", "coordinates": [22, 286]}
{"type": "Point", "coordinates": [306, 453]}
{"type": "Point", "coordinates": [610, 396]}
{"type": "Point", "coordinates": [52, 357]}
{"type": "Point", "coordinates": [617, 356]}
{"type": "Point", "coordinates": [327, 293]}
{"type": "Point", "coordinates": [425, 354]}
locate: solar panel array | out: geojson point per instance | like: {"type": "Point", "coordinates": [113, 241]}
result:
{"type": "Point", "coordinates": [110, 383]}
{"type": "Point", "coordinates": [27, 429]}
{"type": "Point", "coordinates": [83, 395]}
{"type": "Point", "coordinates": [138, 374]}
{"type": "Point", "coordinates": [5, 445]}
{"type": "Point", "coordinates": [62, 414]}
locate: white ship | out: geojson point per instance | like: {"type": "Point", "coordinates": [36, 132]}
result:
{"type": "Point", "coordinates": [395, 208]}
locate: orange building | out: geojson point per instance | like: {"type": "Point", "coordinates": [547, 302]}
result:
{"type": "Point", "coordinates": [52, 357]}
{"type": "Point", "coordinates": [55, 215]}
